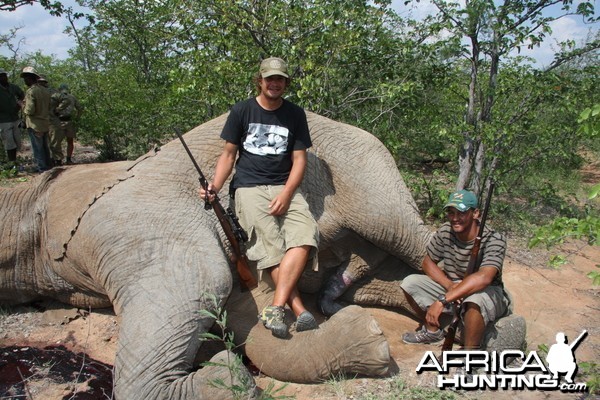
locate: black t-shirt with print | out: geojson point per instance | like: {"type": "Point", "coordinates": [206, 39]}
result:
{"type": "Point", "coordinates": [265, 140]}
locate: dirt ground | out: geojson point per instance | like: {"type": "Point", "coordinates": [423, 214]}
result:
{"type": "Point", "coordinates": [47, 347]}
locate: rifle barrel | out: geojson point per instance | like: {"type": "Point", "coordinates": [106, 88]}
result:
{"type": "Point", "coordinates": [229, 225]}
{"type": "Point", "coordinates": [203, 181]}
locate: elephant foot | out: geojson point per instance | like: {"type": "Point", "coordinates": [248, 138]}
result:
{"type": "Point", "coordinates": [334, 288]}
{"type": "Point", "coordinates": [223, 377]}
{"type": "Point", "coordinates": [328, 306]}
{"type": "Point", "coordinates": [349, 343]}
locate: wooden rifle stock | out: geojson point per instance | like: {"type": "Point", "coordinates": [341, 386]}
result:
{"type": "Point", "coordinates": [472, 267]}
{"type": "Point", "coordinates": [231, 227]}
{"type": "Point", "coordinates": [239, 257]}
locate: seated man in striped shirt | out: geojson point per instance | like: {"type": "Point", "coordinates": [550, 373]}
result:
{"type": "Point", "coordinates": [482, 293]}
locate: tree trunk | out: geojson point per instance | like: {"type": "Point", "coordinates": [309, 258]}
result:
{"type": "Point", "coordinates": [464, 163]}
{"type": "Point", "coordinates": [465, 158]}
{"type": "Point", "coordinates": [477, 169]}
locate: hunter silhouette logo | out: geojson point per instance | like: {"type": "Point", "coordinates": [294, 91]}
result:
{"type": "Point", "coordinates": [561, 356]}
{"type": "Point", "coordinates": [508, 369]}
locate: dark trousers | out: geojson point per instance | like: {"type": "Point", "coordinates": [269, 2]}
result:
{"type": "Point", "coordinates": [41, 150]}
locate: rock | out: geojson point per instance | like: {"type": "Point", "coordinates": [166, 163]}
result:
{"type": "Point", "coordinates": [507, 333]}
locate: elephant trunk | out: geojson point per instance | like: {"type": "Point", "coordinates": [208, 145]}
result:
{"type": "Point", "coordinates": [10, 236]}
{"type": "Point", "coordinates": [349, 343]}
{"type": "Point", "coordinates": [24, 241]}
{"type": "Point", "coordinates": [357, 187]}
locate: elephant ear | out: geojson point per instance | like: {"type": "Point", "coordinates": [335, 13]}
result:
{"type": "Point", "coordinates": [71, 195]}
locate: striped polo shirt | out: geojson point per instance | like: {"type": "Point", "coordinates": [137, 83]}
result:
{"type": "Point", "coordinates": [445, 246]}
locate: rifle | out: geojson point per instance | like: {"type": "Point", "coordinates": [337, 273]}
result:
{"type": "Point", "coordinates": [472, 267]}
{"type": "Point", "coordinates": [230, 224]}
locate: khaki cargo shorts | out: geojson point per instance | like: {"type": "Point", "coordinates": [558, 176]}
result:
{"type": "Point", "coordinates": [68, 129]}
{"type": "Point", "coordinates": [11, 135]}
{"type": "Point", "coordinates": [271, 236]}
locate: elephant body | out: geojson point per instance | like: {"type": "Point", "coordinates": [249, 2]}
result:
{"type": "Point", "coordinates": [135, 236]}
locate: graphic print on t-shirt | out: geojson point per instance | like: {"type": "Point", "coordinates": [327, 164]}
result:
{"type": "Point", "coordinates": [266, 139]}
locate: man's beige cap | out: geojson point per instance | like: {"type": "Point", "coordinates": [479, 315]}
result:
{"type": "Point", "coordinates": [273, 66]}
{"type": "Point", "coordinates": [31, 71]}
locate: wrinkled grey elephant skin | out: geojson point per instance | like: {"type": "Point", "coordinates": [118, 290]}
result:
{"type": "Point", "coordinates": [134, 236]}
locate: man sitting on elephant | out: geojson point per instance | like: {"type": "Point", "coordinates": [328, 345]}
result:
{"type": "Point", "coordinates": [482, 292]}
{"type": "Point", "coordinates": [271, 135]}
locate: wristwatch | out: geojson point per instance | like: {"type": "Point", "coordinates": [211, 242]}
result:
{"type": "Point", "coordinates": [442, 299]}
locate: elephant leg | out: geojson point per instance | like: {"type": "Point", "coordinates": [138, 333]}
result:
{"type": "Point", "coordinates": [363, 261]}
{"type": "Point", "coordinates": [383, 287]}
{"type": "Point", "coordinates": [335, 287]}
{"type": "Point", "coordinates": [161, 293]}
{"type": "Point", "coordinates": [158, 342]}
{"type": "Point", "coordinates": [225, 367]}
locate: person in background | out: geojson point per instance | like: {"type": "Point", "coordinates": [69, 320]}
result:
{"type": "Point", "coordinates": [270, 134]}
{"type": "Point", "coordinates": [11, 100]}
{"type": "Point", "coordinates": [68, 110]}
{"type": "Point", "coordinates": [55, 133]}
{"type": "Point", "coordinates": [36, 110]}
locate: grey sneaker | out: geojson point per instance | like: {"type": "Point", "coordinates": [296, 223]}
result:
{"type": "Point", "coordinates": [468, 376]}
{"type": "Point", "coordinates": [306, 322]}
{"type": "Point", "coordinates": [423, 336]}
{"type": "Point", "coordinates": [273, 318]}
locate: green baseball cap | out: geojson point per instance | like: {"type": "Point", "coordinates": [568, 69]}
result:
{"type": "Point", "coordinates": [462, 200]}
